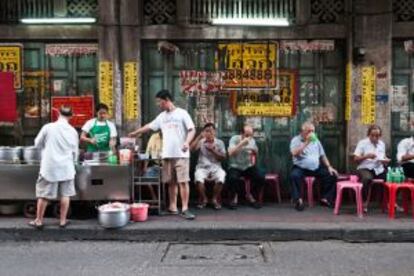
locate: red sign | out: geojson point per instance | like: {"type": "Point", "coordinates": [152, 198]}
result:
{"type": "Point", "coordinates": [82, 107]}
{"type": "Point", "coordinates": [8, 108]}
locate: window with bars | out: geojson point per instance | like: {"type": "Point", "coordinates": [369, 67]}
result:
{"type": "Point", "coordinates": [403, 10]}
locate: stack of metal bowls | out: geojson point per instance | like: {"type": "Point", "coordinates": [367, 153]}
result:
{"type": "Point", "coordinates": [10, 155]}
{"type": "Point", "coordinates": [31, 155]}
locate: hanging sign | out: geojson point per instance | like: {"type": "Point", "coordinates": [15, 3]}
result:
{"type": "Point", "coordinates": [248, 65]}
{"type": "Point", "coordinates": [368, 95]}
{"type": "Point", "coordinates": [106, 84]}
{"type": "Point", "coordinates": [71, 49]}
{"type": "Point", "coordinates": [11, 61]}
{"type": "Point", "coordinates": [272, 103]}
{"type": "Point", "coordinates": [8, 107]}
{"type": "Point", "coordinates": [194, 82]}
{"type": "Point", "coordinates": [348, 91]}
{"type": "Point", "coordinates": [131, 92]}
{"type": "Point", "coordinates": [82, 108]}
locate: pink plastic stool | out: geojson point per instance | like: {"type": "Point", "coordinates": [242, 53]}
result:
{"type": "Point", "coordinates": [351, 184]}
{"type": "Point", "coordinates": [309, 180]}
{"type": "Point", "coordinates": [273, 179]}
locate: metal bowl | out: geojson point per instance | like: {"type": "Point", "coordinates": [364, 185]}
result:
{"type": "Point", "coordinates": [114, 218]}
{"type": "Point", "coordinates": [10, 154]}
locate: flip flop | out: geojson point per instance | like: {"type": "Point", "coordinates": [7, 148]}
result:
{"type": "Point", "coordinates": [201, 205]}
{"type": "Point", "coordinates": [63, 226]}
{"type": "Point", "coordinates": [35, 225]}
{"type": "Point", "coordinates": [216, 206]}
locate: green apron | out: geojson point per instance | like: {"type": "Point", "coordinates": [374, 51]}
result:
{"type": "Point", "coordinates": [102, 135]}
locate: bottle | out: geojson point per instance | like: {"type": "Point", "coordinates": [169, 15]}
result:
{"type": "Point", "coordinates": [402, 175]}
{"type": "Point", "coordinates": [389, 180]}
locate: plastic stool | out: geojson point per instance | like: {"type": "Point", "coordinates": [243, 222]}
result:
{"type": "Point", "coordinates": [375, 181]}
{"type": "Point", "coordinates": [309, 180]}
{"type": "Point", "coordinates": [391, 193]}
{"type": "Point", "coordinates": [351, 184]}
{"type": "Point", "coordinates": [272, 178]}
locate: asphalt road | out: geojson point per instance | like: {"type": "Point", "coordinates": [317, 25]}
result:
{"type": "Point", "coordinates": [196, 259]}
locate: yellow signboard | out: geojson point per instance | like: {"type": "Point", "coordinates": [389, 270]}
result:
{"type": "Point", "coordinates": [348, 91]}
{"type": "Point", "coordinates": [368, 95]}
{"type": "Point", "coordinates": [131, 93]}
{"type": "Point", "coordinates": [11, 61]}
{"type": "Point", "coordinates": [106, 84]}
{"type": "Point", "coordinates": [274, 103]}
{"type": "Point", "coordinates": [248, 65]}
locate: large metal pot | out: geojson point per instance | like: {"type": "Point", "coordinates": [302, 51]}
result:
{"type": "Point", "coordinates": [31, 155]}
{"type": "Point", "coordinates": [113, 217]}
{"type": "Point", "coordinates": [10, 154]}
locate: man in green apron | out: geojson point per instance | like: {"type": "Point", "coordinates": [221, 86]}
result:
{"type": "Point", "coordinates": [99, 133]}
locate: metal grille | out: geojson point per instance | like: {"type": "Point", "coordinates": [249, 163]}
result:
{"type": "Point", "coordinates": [13, 10]}
{"type": "Point", "coordinates": [328, 11]}
{"type": "Point", "coordinates": [82, 8]}
{"type": "Point", "coordinates": [158, 12]}
{"type": "Point", "coordinates": [202, 11]}
{"type": "Point", "coordinates": [403, 10]}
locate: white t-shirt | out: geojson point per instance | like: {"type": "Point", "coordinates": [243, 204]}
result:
{"type": "Point", "coordinates": [405, 146]}
{"type": "Point", "coordinates": [89, 124]}
{"type": "Point", "coordinates": [364, 147]}
{"type": "Point", "coordinates": [174, 126]}
{"type": "Point", "coordinates": [59, 143]}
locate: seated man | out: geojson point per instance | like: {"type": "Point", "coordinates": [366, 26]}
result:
{"type": "Point", "coordinates": [309, 159]}
{"type": "Point", "coordinates": [241, 150]}
{"type": "Point", "coordinates": [405, 156]}
{"type": "Point", "coordinates": [212, 152]}
{"type": "Point", "coordinates": [153, 150]}
{"type": "Point", "coordinates": [371, 158]}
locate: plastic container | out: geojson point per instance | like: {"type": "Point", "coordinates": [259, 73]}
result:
{"type": "Point", "coordinates": [125, 156]}
{"type": "Point", "coordinates": [139, 212]}
{"type": "Point", "coordinates": [313, 138]}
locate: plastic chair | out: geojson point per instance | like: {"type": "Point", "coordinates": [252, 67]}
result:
{"type": "Point", "coordinates": [309, 180]}
{"type": "Point", "coordinates": [374, 182]}
{"type": "Point", "coordinates": [273, 180]}
{"type": "Point", "coordinates": [351, 184]}
{"type": "Point", "coordinates": [390, 197]}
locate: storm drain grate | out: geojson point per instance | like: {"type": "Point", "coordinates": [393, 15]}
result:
{"type": "Point", "coordinates": [214, 253]}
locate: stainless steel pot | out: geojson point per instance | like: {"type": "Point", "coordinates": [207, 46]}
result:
{"type": "Point", "coordinates": [113, 217]}
{"type": "Point", "coordinates": [31, 155]}
{"type": "Point", "coordinates": [10, 154]}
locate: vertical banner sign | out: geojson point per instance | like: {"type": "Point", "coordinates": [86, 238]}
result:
{"type": "Point", "coordinates": [106, 84]}
{"type": "Point", "coordinates": [248, 65]}
{"type": "Point", "coordinates": [368, 95]}
{"type": "Point", "coordinates": [130, 91]}
{"type": "Point", "coordinates": [11, 61]}
{"type": "Point", "coordinates": [348, 91]}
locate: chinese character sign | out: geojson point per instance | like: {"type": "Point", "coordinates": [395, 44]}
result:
{"type": "Point", "coordinates": [106, 84]}
{"type": "Point", "coordinates": [368, 95]}
{"type": "Point", "coordinates": [131, 93]}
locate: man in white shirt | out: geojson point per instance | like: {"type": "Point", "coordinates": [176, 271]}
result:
{"type": "Point", "coordinates": [59, 144]}
{"type": "Point", "coordinates": [178, 131]}
{"type": "Point", "coordinates": [405, 156]}
{"type": "Point", "coordinates": [371, 158]}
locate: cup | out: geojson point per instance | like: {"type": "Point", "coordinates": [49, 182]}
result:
{"type": "Point", "coordinates": [313, 138]}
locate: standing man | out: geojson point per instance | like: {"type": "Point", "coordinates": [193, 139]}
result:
{"type": "Point", "coordinates": [242, 154]}
{"type": "Point", "coordinates": [177, 130]}
{"type": "Point", "coordinates": [212, 152]}
{"type": "Point", "coordinates": [99, 133]}
{"type": "Point", "coordinates": [59, 144]}
{"type": "Point", "coordinates": [309, 159]}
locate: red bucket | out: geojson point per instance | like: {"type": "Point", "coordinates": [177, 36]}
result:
{"type": "Point", "coordinates": [139, 211]}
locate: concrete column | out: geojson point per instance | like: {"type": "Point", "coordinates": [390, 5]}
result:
{"type": "Point", "coordinates": [108, 36]}
{"type": "Point", "coordinates": [131, 19]}
{"type": "Point", "coordinates": [372, 30]}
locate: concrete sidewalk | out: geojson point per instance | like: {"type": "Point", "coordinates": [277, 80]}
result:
{"type": "Point", "coordinates": [271, 223]}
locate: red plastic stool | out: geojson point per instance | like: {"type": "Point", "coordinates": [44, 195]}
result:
{"type": "Point", "coordinates": [272, 179]}
{"type": "Point", "coordinates": [351, 184]}
{"type": "Point", "coordinates": [391, 197]}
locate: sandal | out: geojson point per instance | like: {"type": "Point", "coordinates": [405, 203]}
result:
{"type": "Point", "coordinates": [62, 226]}
{"type": "Point", "coordinates": [34, 224]}
{"type": "Point", "coordinates": [216, 206]}
{"type": "Point", "coordinates": [201, 205]}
